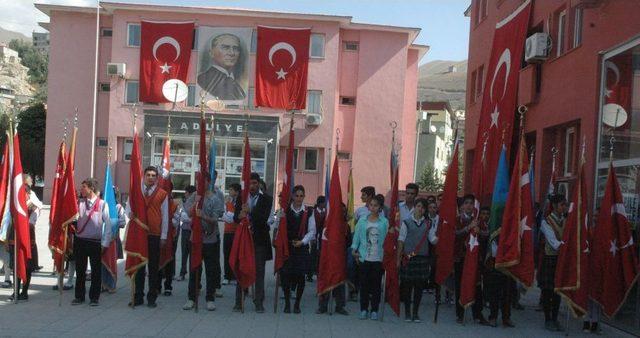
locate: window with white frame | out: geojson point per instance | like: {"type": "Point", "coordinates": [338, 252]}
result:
{"type": "Point", "coordinates": [316, 46]}
{"type": "Point", "coordinates": [314, 102]}
{"type": "Point", "coordinates": [127, 149]}
{"type": "Point", "coordinates": [311, 159]}
{"type": "Point", "coordinates": [577, 27]}
{"type": "Point", "coordinates": [562, 20]}
{"type": "Point", "coordinates": [569, 150]}
{"type": "Point", "coordinates": [131, 92]}
{"type": "Point", "coordinates": [133, 35]}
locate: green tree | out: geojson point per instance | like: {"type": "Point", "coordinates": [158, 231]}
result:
{"type": "Point", "coordinates": [31, 128]}
{"type": "Point", "coordinates": [429, 179]}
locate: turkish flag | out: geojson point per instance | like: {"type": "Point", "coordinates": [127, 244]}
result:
{"type": "Point", "coordinates": [572, 271]}
{"type": "Point", "coordinates": [136, 237]}
{"type": "Point", "coordinates": [282, 237]}
{"type": "Point", "coordinates": [282, 62]}
{"type": "Point", "coordinates": [164, 182]}
{"type": "Point", "coordinates": [390, 245]}
{"type": "Point", "coordinates": [619, 82]}
{"type": "Point", "coordinates": [165, 49]}
{"type": "Point", "coordinates": [496, 120]}
{"type": "Point", "coordinates": [515, 248]}
{"type": "Point", "coordinates": [615, 266]}
{"type": "Point", "coordinates": [242, 257]}
{"type": "Point", "coordinates": [470, 271]}
{"type": "Point", "coordinates": [19, 213]}
{"type": "Point", "coordinates": [332, 269]}
{"type": "Point", "coordinates": [56, 183]}
{"type": "Point", "coordinates": [446, 229]}
{"type": "Point", "coordinates": [201, 188]}
{"type": "Point", "coordinates": [66, 208]}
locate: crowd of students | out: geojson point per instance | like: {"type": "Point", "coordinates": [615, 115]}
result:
{"type": "Point", "coordinates": [415, 256]}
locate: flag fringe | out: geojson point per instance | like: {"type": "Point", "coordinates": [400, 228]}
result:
{"type": "Point", "coordinates": [572, 305]}
{"type": "Point", "coordinates": [330, 288]}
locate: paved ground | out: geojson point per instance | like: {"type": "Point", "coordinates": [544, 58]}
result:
{"type": "Point", "coordinates": [41, 315]}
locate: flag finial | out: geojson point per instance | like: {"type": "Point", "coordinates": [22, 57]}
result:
{"type": "Point", "coordinates": [612, 142]}
{"type": "Point", "coordinates": [109, 155]}
{"type": "Point", "coordinates": [337, 140]}
{"type": "Point", "coordinates": [521, 111]}
{"type": "Point", "coordinates": [75, 118]}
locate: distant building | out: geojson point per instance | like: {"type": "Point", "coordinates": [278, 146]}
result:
{"type": "Point", "coordinates": [41, 42]}
{"type": "Point", "coordinates": [436, 122]}
{"type": "Point", "coordinates": [15, 90]}
{"type": "Point", "coordinates": [9, 55]}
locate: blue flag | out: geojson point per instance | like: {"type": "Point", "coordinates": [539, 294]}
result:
{"type": "Point", "coordinates": [500, 193]}
{"type": "Point", "coordinates": [212, 163]}
{"type": "Point", "coordinates": [109, 195]}
{"type": "Point", "coordinates": [532, 179]}
{"type": "Point", "coordinates": [327, 179]}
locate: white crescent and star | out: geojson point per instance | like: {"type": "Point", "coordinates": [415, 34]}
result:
{"type": "Point", "coordinates": [614, 68]}
{"type": "Point", "coordinates": [286, 47]}
{"type": "Point", "coordinates": [17, 184]}
{"type": "Point", "coordinates": [473, 242]}
{"type": "Point", "coordinates": [170, 41]}
{"type": "Point", "coordinates": [505, 59]}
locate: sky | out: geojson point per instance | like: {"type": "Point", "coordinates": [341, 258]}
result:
{"type": "Point", "coordinates": [444, 27]}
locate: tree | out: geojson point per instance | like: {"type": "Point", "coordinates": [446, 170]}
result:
{"type": "Point", "coordinates": [31, 128]}
{"type": "Point", "coordinates": [38, 67]}
{"type": "Point", "coordinates": [430, 180]}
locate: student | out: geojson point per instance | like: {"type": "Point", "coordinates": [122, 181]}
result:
{"type": "Point", "coordinates": [23, 285]}
{"type": "Point", "coordinates": [413, 258]}
{"type": "Point", "coordinates": [229, 230]}
{"type": "Point", "coordinates": [301, 229]}
{"type": "Point", "coordinates": [366, 195]}
{"type": "Point", "coordinates": [411, 191]}
{"type": "Point", "coordinates": [338, 293]}
{"type": "Point", "coordinates": [92, 238]}
{"type": "Point", "coordinates": [367, 250]}
{"type": "Point", "coordinates": [185, 228]}
{"type": "Point", "coordinates": [552, 228]}
{"type": "Point", "coordinates": [497, 287]}
{"type": "Point", "coordinates": [168, 271]}
{"type": "Point", "coordinates": [319, 216]}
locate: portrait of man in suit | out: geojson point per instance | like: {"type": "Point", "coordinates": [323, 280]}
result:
{"type": "Point", "coordinates": [223, 67]}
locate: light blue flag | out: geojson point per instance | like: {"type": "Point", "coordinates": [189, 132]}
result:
{"type": "Point", "coordinates": [327, 180]}
{"type": "Point", "coordinates": [109, 195]}
{"type": "Point", "coordinates": [212, 163]}
{"type": "Point", "coordinates": [500, 194]}
{"type": "Point", "coordinates": [532, 180]}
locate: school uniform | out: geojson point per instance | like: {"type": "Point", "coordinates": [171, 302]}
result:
{"type": "Point", "coordinates": [552, 228]}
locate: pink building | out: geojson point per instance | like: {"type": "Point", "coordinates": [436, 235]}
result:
{"type": "Point", "coordinates": [361, 78]}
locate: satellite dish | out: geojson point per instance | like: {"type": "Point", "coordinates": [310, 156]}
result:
{"type": "Point", "coordinates": [613, 115]}
{"type": "Point", "coordinates": [175, 90]}
{"type": "Point", "coordinates": [433, 129]}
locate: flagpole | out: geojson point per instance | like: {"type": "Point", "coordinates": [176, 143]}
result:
{"type": "Point", "coordinates": [133, 276]}
{"type": "Point", "coordinates": [15, 234]}
{"type": "Point", "coordinates": [61, 266]}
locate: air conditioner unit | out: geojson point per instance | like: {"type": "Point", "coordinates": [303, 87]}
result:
{"type": "Point", "coordinates": [313, 119]}
{"type": "Point", "coordinates": [116, 69]}
{"type": "Point", "coordinates": [537, 47]}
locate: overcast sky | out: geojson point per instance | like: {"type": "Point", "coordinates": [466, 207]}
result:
{"type": "Point", "coordinates": [444, 26]}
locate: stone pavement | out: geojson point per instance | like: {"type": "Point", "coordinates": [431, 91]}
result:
{"type": "Point", "coordinates": [41, 315]}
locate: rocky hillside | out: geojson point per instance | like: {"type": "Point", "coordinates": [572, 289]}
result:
{"type": "Point", "coordinates": [437, 83]}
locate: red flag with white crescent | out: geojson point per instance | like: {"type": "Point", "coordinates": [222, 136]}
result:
{"type": "Point", "coordinates": [282, 62]}
{"type": "Point", "coordinates": [201, 188]}
{"type": "Point", "coordinates": [390, 245]}
{"type": "Point", "coordinates": [446, 229]}
{"type": "Point", "coordinates": [19, 213]}
{"type": "Point", "coordinates": [470, 271]}
{"type": "Point", "coordinates": [282, 237]}
{"type": "Point", "coordinates": [165, 50]}
{"type": "Point", "coordinates": [164, 182]}
{"type": "Point", "coordinates": [136, 243]}
{"type": "Point", "coordinates": [499, 97]}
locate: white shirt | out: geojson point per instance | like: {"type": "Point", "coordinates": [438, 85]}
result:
{"type": "Point", "coordinates": [402, 234]}
{"type": "Point", "coordinates": [164, 209]}
{"type": "Point", "coordinates": [311, 223]}
{"type": "Point", "coordinates": [550, 235]}
{"type": "Point", "coordinates": [35, 201]}
{"type": "Point", "coordinates": [433, 231]}
{"type": "Point", "coordinates": [405, 212]}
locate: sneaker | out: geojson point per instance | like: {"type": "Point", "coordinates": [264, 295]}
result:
{"type": "Point", "coordinates": [374, 315]}
{"type": "Point", "coordinates": [93, 303]}
{"type": "Point", "coordinates": [416, 319]}
{"type": "Point", "coordinates": [219, 294]}
{"type": "Point", "coordinates": [189, 305]}
{"type": "Point", "coordinates": [67, 287]}
{"type": "Point", "coordinates": [167, 293]}
{"type": "Point", "coordinates": [363, 315]}
{"type": "Point", "coordinates": [225, 282]}
{"type": "Point", "coordinates": [6, 284]}
{"type": "Point", "coordinates": [342, 311]}
{"type": "Point", "coordinates": [136, 303]}
{"type": "Point", "coordinates": [77, 301]}
{"type": "Point", "coordinates": [181, 278]}
{"type": "Point", "coordinates": [211, 306]}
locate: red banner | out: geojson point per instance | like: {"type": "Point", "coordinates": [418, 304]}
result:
{"type": "Point", "coordinates": [390, 245]}
{"type": "Point", "coordinates": [136, 238]}
{"type": "Point", "coordinates": [515, 248]}
{"type": "Point", "coordinates": [615, 266]}
{"type": "Point", "coordinates": [165, 49]}
{"type": "Point", "coordinates": [446, 229]}
{"type": "Point", "coordinates": [282, 237]}
{"type": "Point", "coordinates": [19, 213]}
{"type": "Point", "coordinates": [497, 114]}
{"type": "Point", "coordinates": [572, 271]}
{"type": "Point", "coordinates": [332, 270]}
{"type": "Point", "coordinates": [201, 188]}
{"type": "Point", "coordinates": [164, 182]}
{"type": "Point", "coordinates": [470, 271]}
{"type": "Point", "coordinates": [282, 62]}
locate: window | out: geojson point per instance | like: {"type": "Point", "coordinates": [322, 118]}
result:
{"type": "Point", "coordinates": [194, 43]}
{"type": "Point", "coordinates": [314, 105]}
{"type": "Point", "coordinates": [295, 159]}
{"type": "Point", "coordinates": [102, 142]}
{"type": "Point", "coordinates": [343, 155]}
{"type": "Point", "coordinates": [482, 7]}
{"type": "Point", "coordinates": [347, 101]}
{"type": "Point", "coordinates": [191, 95]}
{"type": "Point", "coordinates": [105, 87]}
{"type": "Point", "coordinates": [131, 92]}
{"type": "Point", "coordinates": [472, 90]}
{"type": "Point", "coordinates": [311, 159]}
{"type": "Point", "coordinates": [480, 77]}
{"type": "Point", "coordinates": [577, 28]}
{"type": "Point", "coordinates": [133, 35]}
{"type": "Point", "coordinates": [127, 150]}
{"type": "Point", "coordinates": [251, 98]}
{"type": "Point", "coordinates": [317, 46]}
{"type": "Point", "coordinates": [562, 18]}
{"type": "Point", "coordinates": [569, 150]}
{"type": "Point", "coordinates": [254, 41]}
{"type": "Point", "coordinates": [351, 46]}
{"type": "Point", "coordinates": [106, 32]}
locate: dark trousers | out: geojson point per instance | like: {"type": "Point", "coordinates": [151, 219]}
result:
{"type": "Point", "coordinates": [292, 281]}
{"type": "Point", "coordinates": [260, 257]}
{"type": "Point", "coordinates": [168, 271]}
{"type": "Point", "coordinates": [91, 250]}
{"type": "Point", "coordinates": [210, 259]}
{"type": "Point", "coordinates": [406, 289]}
{"type": "Point", "coordinates": [217, 269]}
{"type": "Point", "coordinates": [338, 296]}
{"type": "Point", "coordinates": [185, 247]}
{"type": "Point", "coordinates": [153, 243]}
{"type": "Point", "coordinates": [499, 291]}
{"type": "Point", "coordinates": [23, 288]}
{"type": "Point", "coordinates": [370, 277]}
{"type": "Point", "coordinates": [551, 304]}
{"type": "Point", "coordinates": [477, 305]}
{"type": "Point", "coordinates": [228, 243]}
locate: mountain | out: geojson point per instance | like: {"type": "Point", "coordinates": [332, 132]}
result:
{"type": "Point", "coordinates": [436, 82]}
{"type": "Point", "coordinates": [7, 35]}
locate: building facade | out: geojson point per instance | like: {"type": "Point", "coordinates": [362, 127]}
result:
{"type": "Point", "coordinates": [434, 145]}
{"type": "Point", "coordinates": [41, 42]}
{"type": "Point", "coordinates": [359, 75]}
{"type": "Point", "coordinates": [587, 90]}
